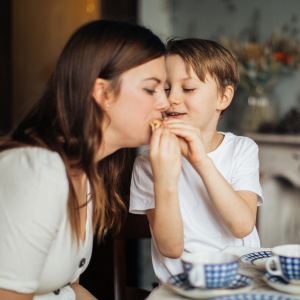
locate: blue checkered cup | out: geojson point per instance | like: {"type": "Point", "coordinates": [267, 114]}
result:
{"type": "Point", "coordinates": [210, 270]}
{"type": "Point", "coordinates": [285, 263]}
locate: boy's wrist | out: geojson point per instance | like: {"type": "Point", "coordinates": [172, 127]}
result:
{"type": "Point", "coordinates": [205, 164]}
{"type": "Point", "coordinates": [167, 192]}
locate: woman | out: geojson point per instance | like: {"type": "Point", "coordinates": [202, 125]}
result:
{"type": "Point", "coordinates": [59, 169]}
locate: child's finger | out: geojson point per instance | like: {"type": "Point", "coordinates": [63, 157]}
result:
{"type": "Point", "coordinates": [165, 139]}
{"type": "Point", "coordinates": [174, 121]}
{"type": "Point", "coordinates": [187, 134]}
{"type": "Point", "coordinates": [155, 139]}
{"type": "Point", "coordinates": [180, 125]}
{"type": "Point", "coordinates": [183, 126]}
{"type": "Point", "coordinates": [174, 143]}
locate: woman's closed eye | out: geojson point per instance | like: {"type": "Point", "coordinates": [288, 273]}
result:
{"type": "Point", "coordinates": [150, 92]}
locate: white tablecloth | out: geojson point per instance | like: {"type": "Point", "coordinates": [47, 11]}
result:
{"type": "Point", "coordinates": [164, 293]}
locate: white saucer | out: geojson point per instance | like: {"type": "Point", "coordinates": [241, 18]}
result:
{"type": "Point", "coordinates": [256, 259]}
{"type": "Point", "coordinates": [180, 285]}
{"type": "Point", "coordinates": [253, 296]}
{"type": "Point", "coordinates": [278, 283]}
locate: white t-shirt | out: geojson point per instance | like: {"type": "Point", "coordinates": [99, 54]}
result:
{"type": "Point", "coordinates": [237, 160]}
{"type": "Point", "coordinates": [37, 253]}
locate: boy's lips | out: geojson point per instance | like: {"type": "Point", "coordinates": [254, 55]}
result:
{"type": "Point", "coordinates": [175, 114]}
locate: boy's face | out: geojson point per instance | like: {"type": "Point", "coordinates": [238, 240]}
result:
{"type": "Point", "coordinates": [191, 99]}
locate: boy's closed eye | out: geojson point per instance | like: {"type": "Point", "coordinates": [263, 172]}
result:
{"type": "Point", "coordinates": [186, 90]}
{"type": "Point", "coordinates": [167, 91]}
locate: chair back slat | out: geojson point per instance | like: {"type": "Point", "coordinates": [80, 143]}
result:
{"type": "Point", "coordinates": [119, 270]}
{"type": "Point", "coordinates": [135, 227]}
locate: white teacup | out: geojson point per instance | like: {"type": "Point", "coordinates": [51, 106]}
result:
{"type": "Point", "coordinates": [286, 261]}
{"type": "Point", "coordinates": [210, 269]}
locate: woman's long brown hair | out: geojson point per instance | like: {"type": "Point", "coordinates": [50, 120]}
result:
{"type": "Point", "coordinates": [67, 120]}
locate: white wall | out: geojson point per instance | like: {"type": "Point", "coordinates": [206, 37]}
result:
{"type": "Point", "coordinates": [210, 18]}
{"type": "Point", "coordinates": [156, 15]}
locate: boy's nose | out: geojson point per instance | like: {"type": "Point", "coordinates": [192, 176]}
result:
{"type": "Point", "coordinates": [163, 103]}
{"type": "Point", "coordinates": [173, 99]}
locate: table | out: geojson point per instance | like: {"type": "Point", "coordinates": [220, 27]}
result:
{"type": "Point", "coordinates": [164, 293]}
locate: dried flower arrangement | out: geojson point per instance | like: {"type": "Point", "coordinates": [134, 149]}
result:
{"type": "Point", "coordinates": [261, 64]}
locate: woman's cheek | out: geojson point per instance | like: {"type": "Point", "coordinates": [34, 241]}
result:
{"type": "Point", "coordinates": [145, 132]}
{"type": "Point", "coordinates": [148, 137]}
{"type": "Point", "coordinates": [139, 131]}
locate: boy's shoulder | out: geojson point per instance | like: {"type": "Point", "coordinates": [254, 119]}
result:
{"type": "Point", "coordinates": [239, 146]}
{"type": "Point", "coordinates": [238, 140]}
{"type": "Point", "coordinates": [142, 163]}
{"type": "Point", "coordinates": [143, 156]}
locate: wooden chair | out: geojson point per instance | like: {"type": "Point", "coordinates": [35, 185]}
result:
{"type": "Point", "coordinates": [135, 227]}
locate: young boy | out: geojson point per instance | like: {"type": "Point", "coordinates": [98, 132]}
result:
{"type": "Point", "coordinates": [218, 190]}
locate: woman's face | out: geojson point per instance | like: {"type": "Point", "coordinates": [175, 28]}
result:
{"type": "Point", "coordinates": [141, 98]}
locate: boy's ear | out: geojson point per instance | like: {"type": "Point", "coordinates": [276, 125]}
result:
{"type": "Point", "coordinates": [102, 93]}
{"type": "Point", "coordinates": [226, 99]}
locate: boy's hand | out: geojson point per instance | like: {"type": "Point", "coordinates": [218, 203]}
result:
{"type": "Point", "coordinates": [165, 157]}
{"type": "Point", "coordinates": [165, 218]}
{"type": "Point", "coordinates": [190, 139]}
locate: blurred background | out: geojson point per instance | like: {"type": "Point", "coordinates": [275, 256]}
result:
{"type": "Point", "coordinates": [263, 36]}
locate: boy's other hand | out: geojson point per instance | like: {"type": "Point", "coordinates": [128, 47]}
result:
{"type": "Point", "coordinates": [165, 157]}
{"type": "Point", "coordinates": [190, 139]}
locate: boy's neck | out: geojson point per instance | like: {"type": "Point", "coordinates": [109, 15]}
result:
{"type": "Point", "coordinates": [211, 140]}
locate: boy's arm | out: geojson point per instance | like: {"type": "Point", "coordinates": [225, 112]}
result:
{"type": "Point", "coordinates": [154, 191]}
{"type": "Point", "coordinates": [236, 209]}
{"type": "Point", "coordinates": [166, 223]}
{"type": "Point", "coordinates": [165, 219]}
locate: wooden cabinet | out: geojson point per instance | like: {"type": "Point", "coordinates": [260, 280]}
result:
{"type": "Point", "coordinates": [40, 30]}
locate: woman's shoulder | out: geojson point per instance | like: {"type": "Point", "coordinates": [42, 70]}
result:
{"type": "Point", "coordinates": [33, 158]}
{"type": "Point", "coordinates": [33, 171]}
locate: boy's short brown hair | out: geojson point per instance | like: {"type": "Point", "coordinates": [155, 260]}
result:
{"type": "Point", "coordinates": [206, 56]}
